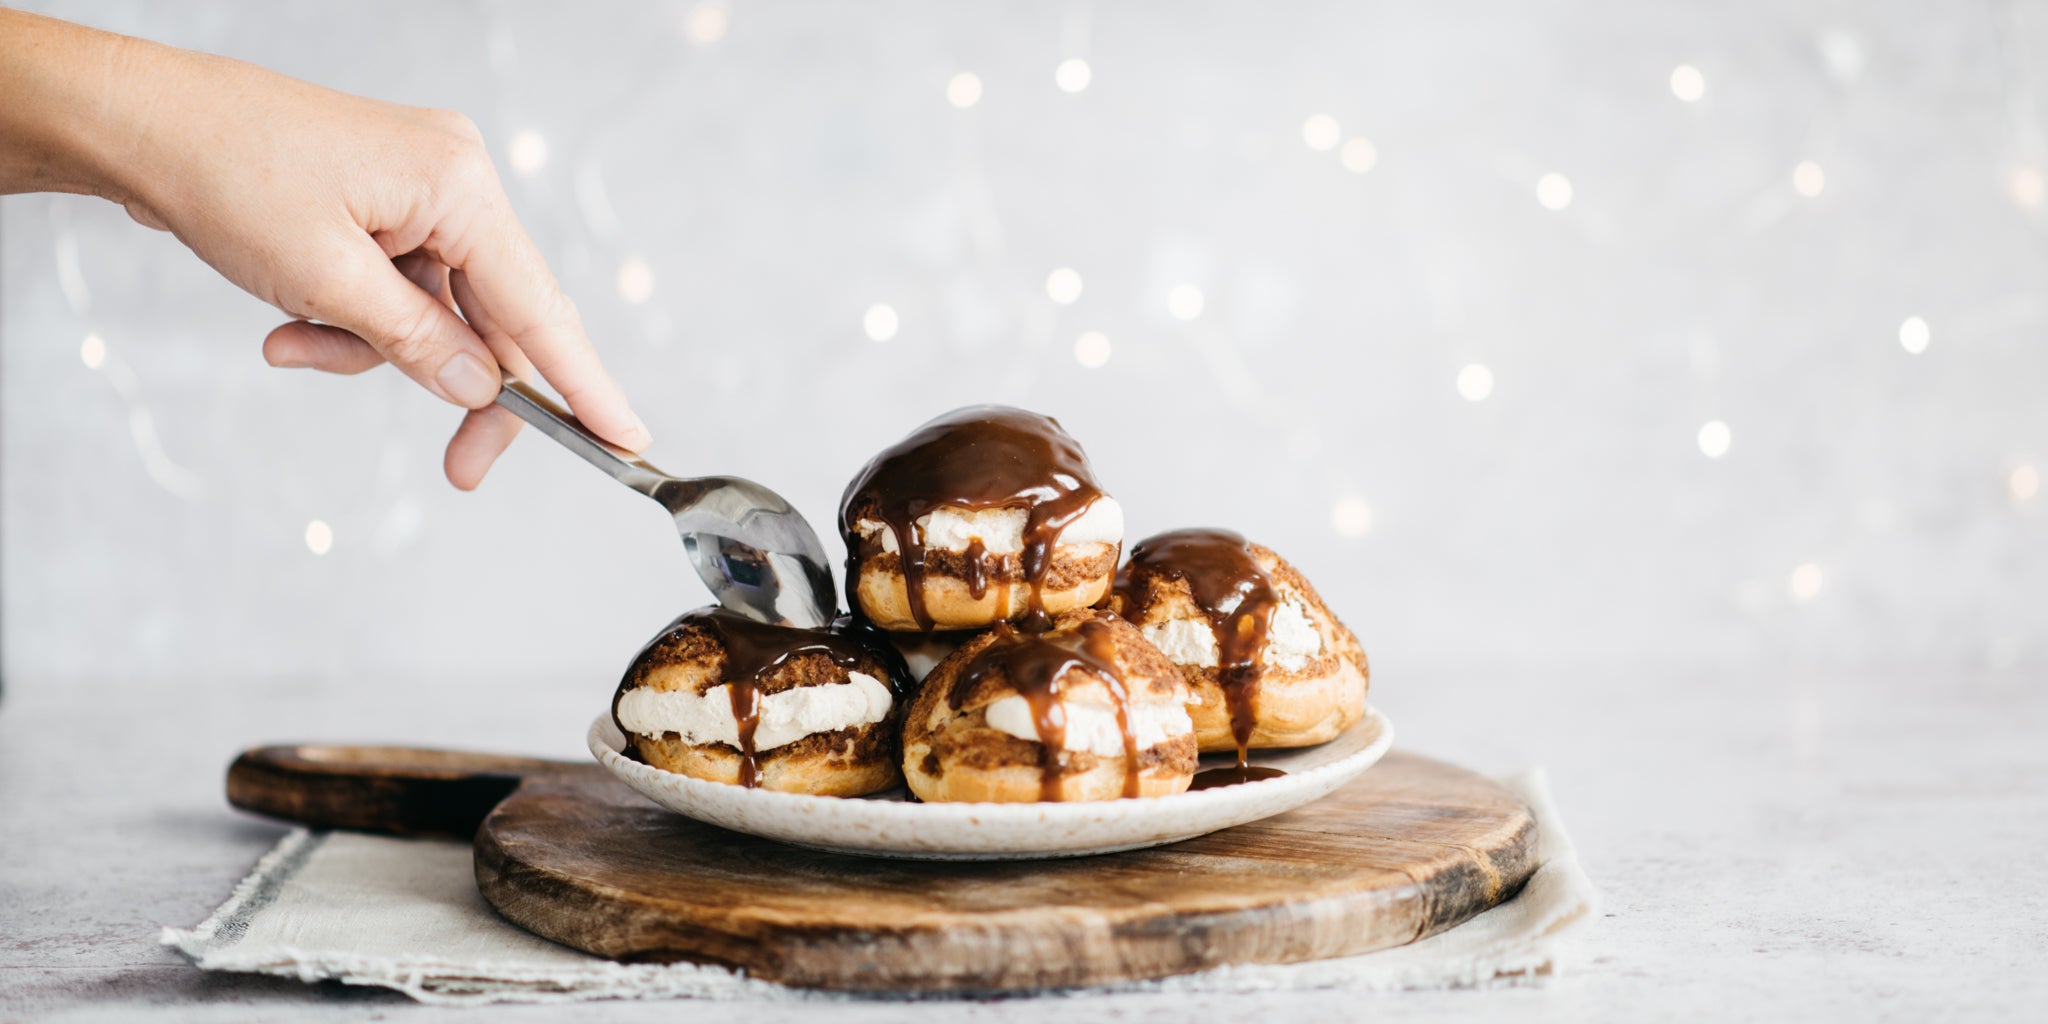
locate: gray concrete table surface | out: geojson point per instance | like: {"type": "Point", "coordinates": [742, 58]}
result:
{"type": "Point", "coordinates": [1777, 843]}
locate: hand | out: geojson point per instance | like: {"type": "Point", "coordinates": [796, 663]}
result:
{"type": "Point", "coordinates": [381, 222]}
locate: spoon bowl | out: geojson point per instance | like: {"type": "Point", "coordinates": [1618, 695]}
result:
{"type": "Point", "coordinates": [756, 552]}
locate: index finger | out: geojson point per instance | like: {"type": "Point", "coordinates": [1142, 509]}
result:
{"type": "Point", "coordinates": [511, 299]}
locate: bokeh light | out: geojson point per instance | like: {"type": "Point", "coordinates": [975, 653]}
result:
{"type": "Point", "coordinates": [1808, 179]}
{"type": "Point", "coordinates": [964, 89]}
{"type": "Point", "coordinates": [707, 23]}
{"type": "Point", "coordinates": [1914, 334]}
{"type": "Point", "coordinates": [319, 537]}
{"type": "Point", "coordinates": [1359, 156]}
{"type": "Point", "coordinates": [527, 153]}
{"type": "Point", "coordinates": [1687, 83]}
{"type": "Point", "coordinates": [1063, 285]}
{"type": "Point", "coordinates": [1805, 582]}
{"type": "Point", "coordinates": [1091, 349]}
{"type": "Point", "coordinates": [1714, 439]}
{"type": "Point", "coordinates": [1475, 383]}
{"type": "Point", "coordinates": [1350, 516]}
{"type": "Point", "coordinates": [1321, 132]}
{"type": "Point", "coordinates": [1073, 75]}
{"type": "Point", "coordinates": [636, 281]}
{"type": "Point", "coordinates": [880, 322]}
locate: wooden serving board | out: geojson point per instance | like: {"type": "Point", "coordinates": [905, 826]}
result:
{"type": "Point", "coordinates": [1411, 848]}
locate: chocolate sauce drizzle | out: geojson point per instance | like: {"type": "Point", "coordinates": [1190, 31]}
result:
{"type": "Point", "coordinates": [1238, 599]}
{"type": "Point", "coordinates": [977, 458]}
{"type": "Point", "coordinates": [1035, 664]}
{"type": "Point", "coordinates": [754, 650]}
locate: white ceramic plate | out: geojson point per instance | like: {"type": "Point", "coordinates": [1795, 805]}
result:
{"type": "Point", "coordinates": [890, 825]}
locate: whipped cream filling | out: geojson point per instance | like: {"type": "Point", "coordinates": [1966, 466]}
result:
{"type": "Point", "coordinates": [1093, 727]}
{"type": "Point", "coordinates": [1291, 639]}
{"type": "Point", "coordinates": [1000, 530]}
{"type": "Point", "coordinates": [785, 717]}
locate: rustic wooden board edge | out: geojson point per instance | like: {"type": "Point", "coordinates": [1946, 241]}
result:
{"type": "Point", "coordinates": [1449, 884]}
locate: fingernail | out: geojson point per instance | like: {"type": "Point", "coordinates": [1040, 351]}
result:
{"type": "Point", "coordinates": [640, 429]}
{"type": "Point", "coordinates": [465, 380]}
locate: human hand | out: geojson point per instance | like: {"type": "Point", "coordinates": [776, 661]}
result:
{"type": "Point", "coordinates": [386, 224]}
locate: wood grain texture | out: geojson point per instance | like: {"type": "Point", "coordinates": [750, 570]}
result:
{"type": "Point", "coordinates": [1413, 847]}
{"type": "Point", "coordinates": [405, 791]}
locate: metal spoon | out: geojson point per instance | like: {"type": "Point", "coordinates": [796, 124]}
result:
{"type": "Point", "coordinates": [755, 552]}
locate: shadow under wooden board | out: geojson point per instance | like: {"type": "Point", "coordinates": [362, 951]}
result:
{"type": "Point", "coordinates": [1413, 847]}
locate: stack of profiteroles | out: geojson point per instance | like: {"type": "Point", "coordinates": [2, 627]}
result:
{"type": "Point", "coordinates": [996, 651]}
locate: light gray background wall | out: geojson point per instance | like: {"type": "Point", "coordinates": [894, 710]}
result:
{"type": "Point", "coordinates": [769, 171]}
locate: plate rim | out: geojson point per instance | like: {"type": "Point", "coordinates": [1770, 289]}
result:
{"type": "Point", "coordinates": [894, 811]}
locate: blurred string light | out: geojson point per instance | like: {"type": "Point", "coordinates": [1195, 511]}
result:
{"type": "Point", "coordinates": [1805, 582]}
{"type": "Point", "coordinates": [1714, 439]}
{"type": "Point", "coordinates": [707, 23]}
{"type": "Point", "coordinates": [1914, 334]}
{"type": "Point", "coordinates": [1687, 83]}
{"type": "Point", "coordinates": [1091, 349]}
{"type": "Point", "coordinates": [1063, 285]}
{"type": "Point", "coordinates": [2024, 482]}
{"type": "Point", "coordinates": [99, 358]}
{"type": "Point", "coordinates": [1073, 75]}
{"type": "Point", "coordinates": [1808, 179]}
{"type": "Point", "coordinates": [319, 537]}
{"type": "Point", "coordinates": [1321, 132]}
{"type": "Point", "coordinates": [1185, 302]}
{"type": "Point", "coordinates": [1351, 517]}
{"type": "Point", "coordinates": [964, 89]}
{"type": "Point", "coordinates": [527, 153]}
{"type": "Point", "coordinates": [636, 280]}
{"type": "Point", "coordinates": [1359, 156]}
{"type": "Point", "coordinates": [879, 322]}
{"type": "Point", "coordinates": [1475, 383]}
{"type": "Point", "coordinates": [1554, 191]}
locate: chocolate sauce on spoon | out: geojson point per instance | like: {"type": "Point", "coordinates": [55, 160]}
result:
{"type": "Point", "coordinates": [754, 650]}
{"type": "Point", "coordinates": [973, 459]}
{"type": "Point", "coordinates": [1036, 664]}
{"type": "Point", "coordinates": [1238, 600]}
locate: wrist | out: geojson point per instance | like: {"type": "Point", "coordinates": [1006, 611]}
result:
{"type": "Point", "coordinates": [71, 122]}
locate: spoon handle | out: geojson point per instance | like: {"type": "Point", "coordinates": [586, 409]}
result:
{"type": "Point", "coordinates": [562, 425]}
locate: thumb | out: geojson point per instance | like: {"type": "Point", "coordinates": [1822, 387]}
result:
{"type": "Point", "coordinates": [415, 332]}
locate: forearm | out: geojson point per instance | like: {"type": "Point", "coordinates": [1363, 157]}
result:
{"type": "Point", "coordinates": [311, 200]}
{"type": "Point", "coordinates": [68, 105]}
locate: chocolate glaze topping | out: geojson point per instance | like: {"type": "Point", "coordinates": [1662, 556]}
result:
{"type": "Point", "coordinates": [1036, 664]}
{"type": "Point", "coordinates": [754, 650]}
{"type": "Point", "coordinates": [977, 458]}
{"type": "Point", "coordinates": [1237, 598]}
